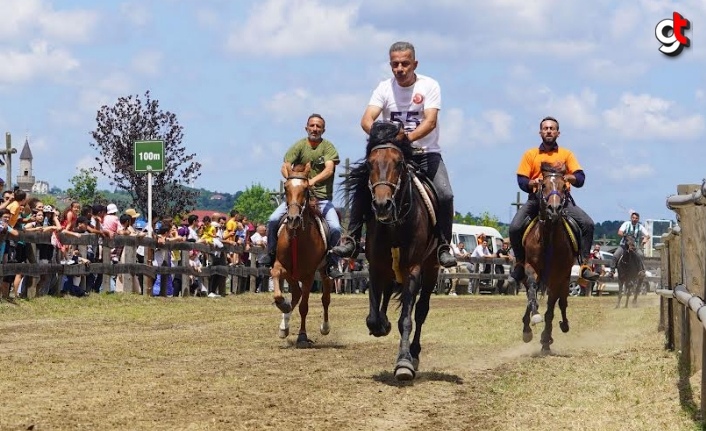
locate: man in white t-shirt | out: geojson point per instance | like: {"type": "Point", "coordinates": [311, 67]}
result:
{"type": "Point", "coordinates": [639, 232]}
{"type": "Point", "coordinates": [413, 100]}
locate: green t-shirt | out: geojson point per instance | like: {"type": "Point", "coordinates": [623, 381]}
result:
{"type": "Point", "coordinates": [302, 152]}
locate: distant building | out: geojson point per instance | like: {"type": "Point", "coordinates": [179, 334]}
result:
{"type": "Point", "coordinates": [26, 178]}
{"type": "Point", "coordinates": [40, 188]}
{"type": "Point", "coordinates": [217, 197]}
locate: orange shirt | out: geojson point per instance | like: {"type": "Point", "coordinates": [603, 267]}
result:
{"type": "Point", "coordinates": [531, 163]}
{"type": "Point", "coordinates": [15, 211]}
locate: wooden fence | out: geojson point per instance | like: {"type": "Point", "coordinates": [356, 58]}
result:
{"type": "Point", "coordinates": [683, 253]}
{"type": "Point", "coordinates": [243, 275]}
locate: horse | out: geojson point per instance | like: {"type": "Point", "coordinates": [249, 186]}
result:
{"type": "Point", "coordinates": [301, 251]}
{"type": "Point", "coordinates": [629, 274]}
{"type": "Point", "coordinates": [400, 237]}
{"type": "Point", "coordinates": [550, 253]}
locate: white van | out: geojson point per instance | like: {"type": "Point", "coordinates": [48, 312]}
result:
{"type": "Point", "coordinates": [468, 235]}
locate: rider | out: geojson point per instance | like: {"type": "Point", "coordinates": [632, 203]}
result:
{"type": "Point", "coordinates": [414, 100]}
{"type": "Point", "coordinates": [529, 176]}
{"type": "Point", "coordinates": [639, 232]}
{"type": "Point", "coordinates": [323, 157]}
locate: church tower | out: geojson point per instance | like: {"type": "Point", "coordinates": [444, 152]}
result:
{"type": "Point", "coordinates": [26, 179]}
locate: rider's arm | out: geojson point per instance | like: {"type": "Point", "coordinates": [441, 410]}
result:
{"type": "Point", "coordinates": [371, 113]}
{"type": "Point", "coordinates": [580, 178]}
{"type": "Point", "coordinates": [329, 166]}
{"type": "Point", "coordinates": [523, 182]}
{"type": "Point", "coordinates": [621, 230]}
{"type": "Point", "coordinates": [284, 170]}
{"type": "Point", "coordinates": [427, 125]}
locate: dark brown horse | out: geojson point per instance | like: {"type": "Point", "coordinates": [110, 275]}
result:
{"type": "Point", "coordinates": [630, 275]}
{"type": "Point", "coordinates": [300, 253]}
{"type": "Point", "coordinates": [400, 240]}
{"type": "Point", "coordinates": [550, 255]}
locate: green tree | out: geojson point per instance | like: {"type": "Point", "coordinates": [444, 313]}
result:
{"type": "Point", "coordinates": [256, 203]}
{"type": "Point", "coordinates": [490, 220]}
{"type": "Point", "coordinates": [85, 188]}
{"type": "Point", "coordinates": [133, 119]}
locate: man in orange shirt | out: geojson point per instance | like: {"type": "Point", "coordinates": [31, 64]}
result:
{"type": "Point", "coordinates": [529, 177]}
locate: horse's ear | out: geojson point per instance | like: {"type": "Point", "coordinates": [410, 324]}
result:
{"type": "Point", "coordinates": [288, 170]}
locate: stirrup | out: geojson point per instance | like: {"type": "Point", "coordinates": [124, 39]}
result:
{"type": "Point", "coordinates": [445, 248]}
{"type": "Point", "coordinates": [345, 240]}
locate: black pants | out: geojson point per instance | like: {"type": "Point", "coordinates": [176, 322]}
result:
{"type": "Point", "coordinates": [432, 165]}
{"type": "Point", "coordinates": [530, 209]}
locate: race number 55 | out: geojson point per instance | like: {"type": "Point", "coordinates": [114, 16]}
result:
{"type": "Point", "coordinates": [407, 118]}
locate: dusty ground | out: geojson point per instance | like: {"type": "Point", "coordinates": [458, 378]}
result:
{"type": "Point", "coordinates": [133, 363]}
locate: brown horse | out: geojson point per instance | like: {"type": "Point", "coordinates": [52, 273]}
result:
{"type": "Point", "coordinates": [300, 253]}
{"type": "Point", "coordinates": [550, 255]}
{"type": "Point", "coordinates": [630, 275]}
{"type": "Point", "coordinates": [400, 240]}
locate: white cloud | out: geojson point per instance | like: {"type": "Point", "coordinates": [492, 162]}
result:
{"type": "Point", "coordinates": [630, 172]}
{"type": "Point", "coordinates": [40, 60]}
{"type": "Point", "coordinates": [104, 92]}
{"type": "Point", "coordinates": [147, 62]}
{"type": "Point", "coordinates": [579, 110]}
{"type": "Point", "coordinates": [136, 13]}
{"type": "Point", "coordinates": [296, 105]}
{"type": "Point", "coordinates": [298, 27]}
{"type": "Point", "coordinates": [460, 133]}
{"type": "Point", "coordinates": [36, 18]}
{"type": "Point", "coordinates": [646, 117]}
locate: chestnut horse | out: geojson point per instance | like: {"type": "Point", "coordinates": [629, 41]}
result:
{"type": "Point", "coordinates": [630, 276]}
{"type": "Point", "coordinates": [400, 239]}
{"type": "Point", "coordinates": [300, 253]}
{"type": "Point", "coordinates": [550, 255]}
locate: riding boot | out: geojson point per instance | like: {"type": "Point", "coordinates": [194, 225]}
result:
{"type": "Point", "coordinates": [588, 274]}
{"type": "Point", "coordinates": [332, 270]}
{"type": "Point", "coordinates": [349, 244]}
{"type": "Point", "coordinates": [444, 229]}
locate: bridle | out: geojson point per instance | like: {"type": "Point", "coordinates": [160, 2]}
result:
{"type": "Point", "coordinates": [396, 187]}
{"type": "Point", "coordinates": [300, 207]}
{"type": "Point", "coordinates": [544, 200]}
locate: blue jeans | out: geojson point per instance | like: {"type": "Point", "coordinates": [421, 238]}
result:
{"type": "Point", "coordinates": [327, 209]}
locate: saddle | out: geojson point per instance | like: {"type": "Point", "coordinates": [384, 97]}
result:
{"type": "Point", "coordinates": [572, 228]}
{"type": "Point", "coordinates": [426, 189]}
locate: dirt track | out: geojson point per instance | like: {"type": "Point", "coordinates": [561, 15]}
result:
{"type": "Point", "coordinates": [201, 364]}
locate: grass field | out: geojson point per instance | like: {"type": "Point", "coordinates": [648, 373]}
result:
{"type": "Point", "coordinates": [127, 362]}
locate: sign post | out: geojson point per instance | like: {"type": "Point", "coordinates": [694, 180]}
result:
{"type": "Point", "coordinates": [149, 157]}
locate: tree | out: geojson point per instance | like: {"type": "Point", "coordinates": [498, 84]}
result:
{"type": "Point", "coordinates": [256, 203]}
{"type": "Point", "coordinates": [132, 119]}
{"type": "Point", "coordinates": [487, 219]}
{"type": "Point", "coordinates": [85, 188]}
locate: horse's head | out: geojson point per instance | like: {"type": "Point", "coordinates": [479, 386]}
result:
{"type": "Point", "coordinates": [630, 246]}
{"type": "Point", "coordinates": [552, 191]}
{"type": "Point", "coordinates": [296, 191]}
{"type": "Point", "coordinates": [385, 157]}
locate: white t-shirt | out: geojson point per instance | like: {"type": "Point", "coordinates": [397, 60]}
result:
{"type": "Point", "coordinates": [481, 251]}
{"type": "Point", "coordinates": [407, 105]}
{"type": "Point", "coordinates": [628, 229]}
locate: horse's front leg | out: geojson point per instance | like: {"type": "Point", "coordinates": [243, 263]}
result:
{"type": "Point", "coordinates": [638, 289]}
{"type": "Point", "coordinates": [621, 286]}
{"type": "Point", "coordinates": [421, 311]}
{"type": "Point", "coordinates": [546, 338]}
{"type": "Point", "coordinates": [563, 305]}
{"type": "Point", "coordinates": [278, 274]}
{"type": "Point", "coordinates": [325, 301]}
{"type": "Point", "coordinates": [532, 315]}
{"type": "Point", "coordinates": [377, 321]}
{"type": "Point", "coordinates": [303, 298]}
{"type": "Point", "coordinates": [404, 368]}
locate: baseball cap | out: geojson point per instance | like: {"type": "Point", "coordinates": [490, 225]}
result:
{"type": "Point", "coordinates": [112, 209]}
{"type": "Point", "coordinates": [132, 213]}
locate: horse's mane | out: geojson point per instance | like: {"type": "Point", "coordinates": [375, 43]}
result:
{"type": "Point", "coordinates": [355, 186]}
{"type": "Point", "coordinates": [553, 168]}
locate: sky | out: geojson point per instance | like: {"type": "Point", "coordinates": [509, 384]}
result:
{"type": "Point", "coordinates": [243, 76]}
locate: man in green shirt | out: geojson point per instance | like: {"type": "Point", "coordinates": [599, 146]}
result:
{"type": "Point", "coordinates": [323, 157]}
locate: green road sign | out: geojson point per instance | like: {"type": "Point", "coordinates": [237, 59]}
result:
{"type": "Point", "coordinates": [149, 156]}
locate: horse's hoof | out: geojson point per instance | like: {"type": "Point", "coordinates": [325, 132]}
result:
{"type": "Point", "coordinates": [415, 364]}
{"type": "Point", "coordinates": [283, 333]}
{"type": "Point", "coordinates": [537, 318]}
{"type": "Point", "coordinates": [285, 306]}
{"type": "Point", "coordinates": [564, 325]}
{"type": "Point", "coordinates": [325, 328]}
{"type": "Point", "coordinates": [404, 371]}
{"type": "Point", "coordinates": [545, 349]}
{"type": "Point", "coordinates": [527, 336]}
{"type": "Point", "coordinates": [388, 328]}
{"type": "Point", "coordinates": [303, 342]}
